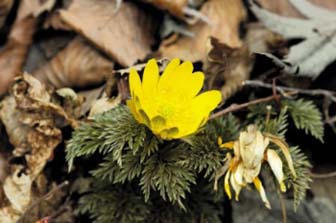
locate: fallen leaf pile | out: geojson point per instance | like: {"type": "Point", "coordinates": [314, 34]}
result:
{"type": "Point", "coordinates": [317, 50]}
{"type": "Point", "coordinates": [5, 7]}
{"type": "Point", "coordinates": [64, 62]}
{"type": "Point", "coordinates": [13, 55]}
{"type": "Point", "coordinates": [224, 26]}
{"type": "Point", "coordinates": [32, 122]}
{"type": "Point", "coordinates": [78, 65]}
{"type": "Point", "coordinates": [126, 36]}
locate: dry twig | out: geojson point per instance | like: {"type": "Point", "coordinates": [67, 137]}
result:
{"type": "Point", "coordinates": [283, 89]}
{"type": "Point", "coordinates": [323, 175]}
{"type": "Point", "coordinates": [236, 107]}
{"type": "Point", "coordinates": [44, 197]}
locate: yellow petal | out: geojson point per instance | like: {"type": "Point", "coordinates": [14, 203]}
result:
{"type": "Point", "coordinates": [197, 113]}
{"type": "Point", "coordinates": [192, 84]}
{"type": "Point", "coordinates": [206, 102]}
{"type": "Point", "coordinates": [172, 65]}
{"type": "Point", "coordinates": [131, 106]}
{"type": "Point", "coordinates": [237, 174]}
{"type": "Point", "coordinates": [144, 117]}
{"type": "Point", "coordinates": [171, 133]}
{"type": "Point", "coordinates": [219, 141]}
{"type": "Point", "coordinates": [235, 185]}
{"type": "Point", "coordinates": [158, 123]}
{"type": "Point", "coordinates": [228, 145]}
{"type": "Point", "coordinates": [260, 188]}
{"type": "Point", "coordinates": [251, 172]}
{"type": "Point", "coordinates": [179, 83]}
{"type": "Point", "coordinates": [260, 147]}
{"type": "Point", "coordinates": [150, 78]}
{"type": "Point", "coordinates": [236, 148]}
{"type": "Point", "coordinates": [135, 83]}
{"type": "Point", "coordinates": [275, 163]}
{"type": "Point", "coordinates": [227, 185]}
{"type": "Point", "coordinates": [165, 78]}
{"type": "Point", "coordinates": [284, 148]}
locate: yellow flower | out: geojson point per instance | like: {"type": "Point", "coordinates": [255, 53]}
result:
{"type": "Point", "coordinates": [169, 104]}
{"type": "Point", "coordinates": [250, 151]}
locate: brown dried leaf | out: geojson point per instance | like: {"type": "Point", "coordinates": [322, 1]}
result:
{"type": "Point", "coordinates": [174, 7]}
{"type": "Point", "coordinates": [261, 39]}
{"type": "Point", "coordinates": [89, 97]}
{"type": "Point", "coordinates": [34, 8]}
{"type": "Point", "coordinates": [225, 16]}
{"type": "Point", "coordinates": [32, 123]}
{"type": "Point", "coordinates": [229, 65]}
{"type": "Point", "coordinates": [54, 21]}
{"type": "Point", "coordinates": [283, 7]}
{"type": "Point", "coordinates": [9, 115]}
{"type": "Point", "coordinates": [78, 65]}
{"type": "Point", "coordinates": [5, 6]}
{"type": "Point", "coordinates": [126, 36]}
{"type": "Point", "coordinates": [102, 105]}
{"type": "Point", "coordinates": [13, 55]}
{"type": "Point", "coordinates": [17, 188]}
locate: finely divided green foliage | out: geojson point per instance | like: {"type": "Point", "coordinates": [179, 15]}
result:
{"type": "Point", "coordinates": [278, 125]}
{"type": "Point", "coordinates": [300, 184]}
{"type": "Point", "coordinates": [108, 134]}
{"type": "Point", "coordinates": [114, 203]}
{"type": "Point", "coordinates": [306, 116]}
{"type": "Point", "coordinates": [165, 170]}
{"type": "Point", "coordinates": [142, 178]}
{"type": "Point", "coordinates": [124, 204]}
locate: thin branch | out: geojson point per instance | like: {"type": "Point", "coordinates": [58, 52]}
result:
{"type": "Point", "coordinates": [283, 207]}
{"type": "Point", "coordinates": [323, 175]}
{"type": "Point", "coordinates": [236, 107]}
{"type": "Point", "coordinates": [44, 197]}
{"type": "Point", "coordinates": [283, 89]}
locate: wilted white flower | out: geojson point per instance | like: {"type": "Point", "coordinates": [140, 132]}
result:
{"type": "Point", "coordinates": [249, 153]}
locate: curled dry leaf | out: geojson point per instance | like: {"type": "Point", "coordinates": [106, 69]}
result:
{"type": "Point", "coordinates": [174, 7]}
{"type": "Point", "coordinates": [285, 8]}
{"type": "Point", "coordinates": [71, 102]}
{"type": "Point", "coordinates": [103, 104]}
{"type": "Point", "coordinates": [13, 55]}
{"type": "Point", "coordinates": [5, 6]}
{"type": "Point", "coordinates": [78, 65]}
{"type": "Point", "coordinates": [260, 39]}
{"type": "Point", "coordinates": [32, 122]}
{"type": "Point", "coordinates": [229, 65]}
{"type": "Point", "coordinates": [225, 16]}
{"type": "Point", "coordinates": [311, 56]}
{"type": "Point", "coordinates": [17, 188]}
{"type": "Point", "coordinates": [126, 36]}
{"type": "Point", "coordinates": [89, 97]}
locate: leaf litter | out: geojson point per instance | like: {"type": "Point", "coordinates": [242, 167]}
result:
{"type": "Point", "coordinates": [85, 73]}
{"type": "Point", "coordinates": [317, 49]}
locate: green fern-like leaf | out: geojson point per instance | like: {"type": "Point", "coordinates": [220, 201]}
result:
{"type": "Point", "coordinates": [114, 204]}
{"type": "Point", "coordinates": [226, 127]}
{"type": "Point", "coordinates": [109, 170]}
{"type": "Point", "coordinates": [205, 156]}
{"type": "Point", "coordinates": [306, 116]}
{"type": "Point", "coordinates": [300, 184]}
{"type": "Point", "coordinates": [108, 133]}
{"type": "Point", "coordinates": [164, 172]}
{"type": "Point", "coordinates": [277, 126]}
